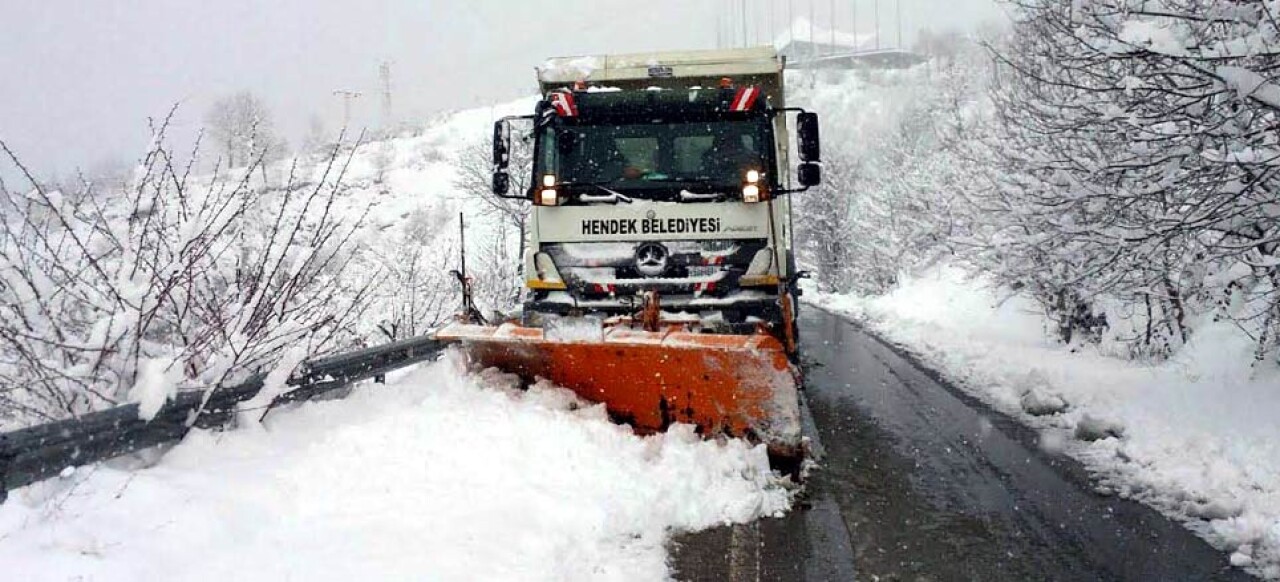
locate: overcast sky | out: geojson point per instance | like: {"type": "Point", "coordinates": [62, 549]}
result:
{"type": "Point", "coordinates": [81, 78]}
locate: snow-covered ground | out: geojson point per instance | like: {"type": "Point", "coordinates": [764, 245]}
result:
{"type": "Point", "coordinates": [1197, 437]}
{"type": "Point", "coordinates": [438, 475]}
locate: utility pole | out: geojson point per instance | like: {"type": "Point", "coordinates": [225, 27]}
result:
{"type": "Point", "coordinates": [813, 50]}
{"type": "Point", "coordinates": [769, 5]}
{"type": "Point", "coordinates": [898, 5]}
{"type": "Point", "coordinates": [731, 27]}
{"type": "Point", "coordinates": [384, 74]}
{"type": "Point", "coordinates": [855, 25]}
{"type": "Point", "coordinates": [719, 31]}
{"type": "Point", "coordinates": [813, 45]}
{"type": "Point", "coordinates": [726, 22]}
{"type": "Point", "coordinates": [791, 22]}
{"type": "Point", "coordinates": [347, 96]}
{"type": "Point", "coordinates": [877, 16]}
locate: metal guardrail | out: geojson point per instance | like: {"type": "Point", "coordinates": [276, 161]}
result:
{"type": "Point", "coordinates": [328, 373]}
{"type": "Point", "coordinates": [36, 453]}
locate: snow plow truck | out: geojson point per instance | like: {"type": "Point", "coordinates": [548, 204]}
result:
{"type": "Point", "coordinates": [660, 275]}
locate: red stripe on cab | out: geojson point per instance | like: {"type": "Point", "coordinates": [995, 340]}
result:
{"type": "Point", "coordinates": [564, 104]}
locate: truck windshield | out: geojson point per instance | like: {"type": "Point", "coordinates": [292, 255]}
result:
{"type": "Point", "coordinates": [636, 156]}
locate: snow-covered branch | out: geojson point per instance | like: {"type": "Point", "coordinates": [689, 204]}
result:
{"type": "Point", "coordinates": [127, 295]}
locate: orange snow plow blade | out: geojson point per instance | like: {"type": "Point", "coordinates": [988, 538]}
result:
{"type": "Point", "coordinates": [735, 385]}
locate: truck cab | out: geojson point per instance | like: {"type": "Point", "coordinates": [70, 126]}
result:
{"type": "Point", "coordinates": [663, 177]}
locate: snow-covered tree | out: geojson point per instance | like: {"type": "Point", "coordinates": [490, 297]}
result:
{"type": "Point", "coordinates": [416, 291]}
{"type": "Point", "coordinates": [474, 165]}
{"type": "Point", "coordinates": [242, 126]}
{"type": "Point", "coordinates": [896, 162]}
{"type": "Point", "coordinates": [176, 281]}
{"type": "Point", "coordinates": [1139, 146]}
{"type": "Point", "coordinates": [317, 137]}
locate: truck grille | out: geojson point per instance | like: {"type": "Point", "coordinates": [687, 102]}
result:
{"type": "Point", "coordinates": [694, 268]}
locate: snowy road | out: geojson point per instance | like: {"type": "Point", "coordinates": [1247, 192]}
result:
{"type": "Point", "coordinates": [921, 482]}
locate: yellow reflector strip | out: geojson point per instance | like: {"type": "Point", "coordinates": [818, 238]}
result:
{"type": "Point", "coordinates": [540, 284]}
{"type": "Point", "coordinates": [757, 280]}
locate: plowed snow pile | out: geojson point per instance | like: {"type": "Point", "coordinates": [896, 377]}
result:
{"type": "Point", "coordinates": [436, 476]}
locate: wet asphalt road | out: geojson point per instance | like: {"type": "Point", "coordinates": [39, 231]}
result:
{"type": "Point", "coordinates": [920, 482]}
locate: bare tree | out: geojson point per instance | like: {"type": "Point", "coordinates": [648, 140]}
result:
{"type": "Point", "coordinates": [317, 137]}
{"type": "Point", "coordinates": [175, 281]}
{"type": "Point", "coordinates": [417, 292]}
{"type": "Point", "coordinates": [475, 174]}
{"type": "Point", "coordinates": [242, 127]}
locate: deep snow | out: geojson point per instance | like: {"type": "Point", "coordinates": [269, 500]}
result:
{"type": "Point", "coordinates": [1197, 437]}
{"type": "Point", "coordinates": [438, 475]}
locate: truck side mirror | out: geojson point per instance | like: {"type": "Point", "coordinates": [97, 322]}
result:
{"type": "Point", "coordinates": [501, 147]}
{"type": "Point", "coordinates": [810, 174]}
{"type": "Point", "coordinates": [807, 136]}
{"type": "Point", "coordinates": [501, 182]}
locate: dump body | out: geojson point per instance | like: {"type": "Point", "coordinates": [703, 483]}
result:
{"type": "Point", "coordinates": [754, 66]}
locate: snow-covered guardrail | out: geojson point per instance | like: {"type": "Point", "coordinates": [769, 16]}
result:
{"type": "Point", "coordinates": [35, 453]}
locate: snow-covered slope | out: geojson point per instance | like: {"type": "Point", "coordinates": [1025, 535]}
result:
{"type": "Point", "coordinates": [419, 170]}
{"type": "Point", "coordinates": [1196, 437]}
{"type": "Point", "coordinates": [435, 476]}
{"type": "Point", "coordinates": [408, 186]}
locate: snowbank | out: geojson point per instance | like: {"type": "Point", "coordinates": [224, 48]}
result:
{"type": "Point", "coordinates": [1197, 437]}
{"type": "Point", "coordinates": [437, 475]}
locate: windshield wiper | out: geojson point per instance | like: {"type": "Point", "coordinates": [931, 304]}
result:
{"type": "Point", "coordinates": [610, 197]}
{"type": "Point", "coordinates": [687, 196]}
{"type": "Point", "coordinates": [668, 180]}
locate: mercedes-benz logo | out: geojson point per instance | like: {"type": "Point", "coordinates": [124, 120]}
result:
{"type": "Point", "coordinates": [651, 259]}
{"type": "Point", "coordinates": [650, 214]}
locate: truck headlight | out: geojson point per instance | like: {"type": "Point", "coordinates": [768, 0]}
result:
{"type": "Point", "coordinates": [750, 193]}
{"type": "Point", "coordinates": [548, 197]}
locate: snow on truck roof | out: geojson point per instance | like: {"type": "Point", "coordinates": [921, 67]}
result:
{"type": "Point", "coordinates": [751, 61]}
{"type": "Point", "coordinates": [669, 70]}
